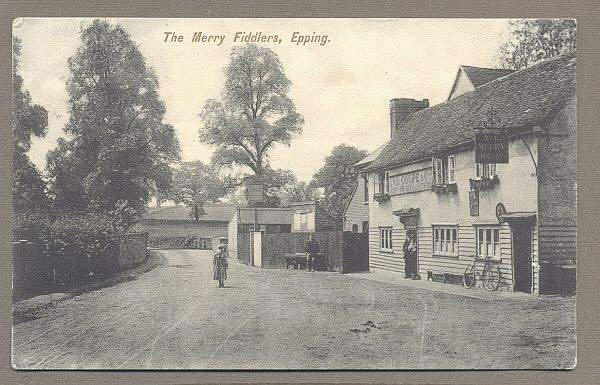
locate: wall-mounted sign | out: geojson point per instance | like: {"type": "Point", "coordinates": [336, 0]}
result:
{"type": "Point", "coordinates": [410, 182]}
{"type": "Point", "coordinates": [474, 203]}
{"type": "Point", "coordinates": [491, 146]}
{"type": "Point", "coordinates": [500, 211]}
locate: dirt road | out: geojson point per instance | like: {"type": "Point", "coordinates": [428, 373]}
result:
{"type": "Point", "coordinates": [175, 317]}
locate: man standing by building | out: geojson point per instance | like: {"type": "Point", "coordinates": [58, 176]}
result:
{"type": "Point", "coordinates": [410, 255]}
{"type": "Point", "coordinates": [311, 249]}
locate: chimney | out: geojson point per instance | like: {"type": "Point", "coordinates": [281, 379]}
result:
{"type": "Point", "coordinates": [400, 108]}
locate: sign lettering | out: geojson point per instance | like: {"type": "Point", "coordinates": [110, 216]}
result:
{"type": "Point", "coordinates": [410, 182]}
{"type": "Point", "coordinates": [491, 146]}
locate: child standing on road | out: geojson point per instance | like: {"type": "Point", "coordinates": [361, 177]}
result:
{"type": "Point", "coordinates": [220, 265]}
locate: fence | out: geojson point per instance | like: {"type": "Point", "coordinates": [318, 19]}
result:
{"type": "Point", "coordinates": [344, 251]}
{"type": "Point", "coordinates": [35, 272]}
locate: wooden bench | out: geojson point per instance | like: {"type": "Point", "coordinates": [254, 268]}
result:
{"type": "Point", "coordinates": [444, 277]}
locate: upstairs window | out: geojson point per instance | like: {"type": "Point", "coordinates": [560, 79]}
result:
{"type": "Point", "coordinates": [438, 171]}
{"type": "Point", "coordinates": [485, 170]}
{"type": "Point", "coordinates": [382, 183]}
{"type": "Point", "coordinates": [303, 221]}
{"type": "Point", "coordinates": [443, 170]}
{"type": "Point", "coordinates": [451, 169]}
{"type": "Point", "coordinates": [366, 188]}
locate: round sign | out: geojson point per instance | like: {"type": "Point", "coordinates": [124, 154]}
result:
{"type": "Point", "coordinates": [500, 211]}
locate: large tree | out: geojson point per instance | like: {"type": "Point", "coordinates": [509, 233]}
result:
{"type": "Point", "coordinates": [28, 119]}
{"type": "Point", "coordinates": [534, 40]}
{"type": "Point", "coordinates": [119, 142]}
{"type": "Point", "coordinates": [196, 184]}
{"type": "Point", "coordinates": [254, 113]}
{"type": "Point", "coordinates": [337, 177]}
{"type": "Point", "coordinates": [298, 191]}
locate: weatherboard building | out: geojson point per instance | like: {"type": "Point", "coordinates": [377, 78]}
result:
{"type": "Point", "coordinates": [521, 213]}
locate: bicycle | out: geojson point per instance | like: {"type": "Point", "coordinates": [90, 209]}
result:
{"type": "Point", "coordinates": [489, 276]}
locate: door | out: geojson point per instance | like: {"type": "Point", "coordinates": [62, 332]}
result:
{"type": "Point", "coordinates": [522, 269]}
{"type": "Point", "coordinates": [257, 248]}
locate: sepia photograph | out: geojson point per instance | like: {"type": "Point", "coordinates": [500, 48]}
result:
{"type": "Point", "coordinates": [294, 194]}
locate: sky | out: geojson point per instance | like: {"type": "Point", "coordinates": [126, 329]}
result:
{"type": "Point", "coordinates": [341, 88]}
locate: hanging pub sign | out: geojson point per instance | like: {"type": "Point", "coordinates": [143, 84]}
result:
{"type": "Point", "coordinates": [474, 203]}
{"type": "Point", "coordinates": [491, 145]}
{"type": "Point", "coordinates": [255, 193]}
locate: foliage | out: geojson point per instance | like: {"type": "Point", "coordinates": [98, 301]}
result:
{"type": "Point", "coordinates": [534, 40]}
{"type": "Point", "coordinates": [195, 184]}
{"type": "Point", "coordinates": [119, 144]}
{"type": "Point", "coordinates": [33, 227]}
{"type": "Point", "coordinates": [338, 178]}
{"type": "Point", "coordinates": [28, 119]}
{"type": "Point", "coordinates": [298, 191]}
{"type": "Point", "coordinates": [78, 245]}
{"type": "Point", "coordinates": [255, 112]}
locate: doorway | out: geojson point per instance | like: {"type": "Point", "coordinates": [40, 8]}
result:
{"type": "Point", "coordinates": [522, 269]}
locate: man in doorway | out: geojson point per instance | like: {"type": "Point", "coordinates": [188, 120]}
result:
{"type": "Point", "coordinates": [410, 255]}
{"type": "Point", "coordinates": [311, 249]}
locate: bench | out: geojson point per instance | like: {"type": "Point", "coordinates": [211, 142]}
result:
{"type": "Point", "coordinates": [444, 277]}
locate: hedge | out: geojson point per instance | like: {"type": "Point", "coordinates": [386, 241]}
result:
{"type": "Point", "coordinates": [179, 242]}
{"type": "Point", "coordinates": [79, 246]}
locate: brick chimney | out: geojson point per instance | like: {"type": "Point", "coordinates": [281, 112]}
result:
{"type": "Point", "coordinates": [400, 108]}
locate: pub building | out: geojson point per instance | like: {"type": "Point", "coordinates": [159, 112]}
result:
{"type": "Point", "coordinates": [489, 172]}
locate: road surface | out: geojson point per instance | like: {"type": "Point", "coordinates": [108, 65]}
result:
{"type": "Point", "coordinates": [175, 317]}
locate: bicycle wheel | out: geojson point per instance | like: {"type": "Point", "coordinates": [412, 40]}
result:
{"type": "Point", "coordinates": [491, 278]}
{"type": "Point", "coordinates": [469, 276]}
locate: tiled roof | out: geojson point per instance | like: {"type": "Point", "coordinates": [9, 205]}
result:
{"type": "Point", "coordinates": [369, 158]}
{"type": "Point", "coordinates": [480, 76]}
{"type": "Point", "coordinates": [214, 212]}
{"type": "Point", "coordinates": [517, 100]}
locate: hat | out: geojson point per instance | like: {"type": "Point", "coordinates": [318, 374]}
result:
{"type": "Point", "coordinates": [222, 246]}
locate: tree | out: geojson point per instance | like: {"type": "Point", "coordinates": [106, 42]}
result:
{"type": "Point", "coordinates": [119, 142]}
{"type": "Point", "coordinates": [337, 178]}
{"type": "Point", "coordinates": [28, 119]}
{"type": "Point", "coordinates": [196, 184]}
{"type": "Point", "coordinates": [298, 191]}
{"type": "Point", "coordinates": [255, 112]}
{"type": "Point", "coordinates": [534, 40]}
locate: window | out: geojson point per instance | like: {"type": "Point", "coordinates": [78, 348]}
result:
{"type": "Point", "coordinates": [443, 170]}
{"type": "Point", "coordinates": [303, 221]}
{"type": "Point", "coordinates": [385, 239]}
{"type": "Point", "coordinates": [488, 241]}
{"type": "Point", "coordinates": [366, 187]}
{"type": "Point", "coordinates": [365, 226]}
{"type": "Point", "coordinates": [485, 170]}
{"type": "Point", "coordinates": [438, 171]}
{"type": "Point", "coordinates": [382, 183]}
{"type": "Point", "coordinates": [445, 240]}
{"type": "Point", "coordinates": [451, 168]}
{"type": "Point", "coordinates": [354, 228]}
